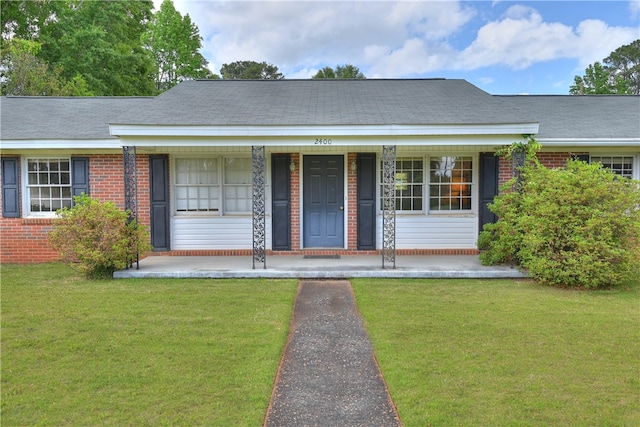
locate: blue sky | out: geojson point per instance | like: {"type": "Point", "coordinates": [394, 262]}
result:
{"type": "Point", "coordinates": [503, 47]}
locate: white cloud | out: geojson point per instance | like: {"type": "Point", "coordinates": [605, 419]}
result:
{"type": "Point", "coordinates": [394, 39]}
{"type": "Point", "coordinates": [519, 40]}
{"type": "Point", "coordinates": [522, 38]}
{"type": "Point", "coordinates": [309, 35]}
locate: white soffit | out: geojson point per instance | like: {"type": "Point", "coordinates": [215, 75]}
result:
{"type": "Point", "coordinates": [323, 131]}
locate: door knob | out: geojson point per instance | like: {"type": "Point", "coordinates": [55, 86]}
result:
{"type": "Point", "coordinates": [341, 208]}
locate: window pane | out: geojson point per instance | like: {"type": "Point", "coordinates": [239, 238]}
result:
{"type": "Point", "coordinates": [409, 183]}
{"type": "Point", "coordinates": [49, 184]}
{"type": "Point", "coordinates": [196, 185]}
{"type": "Point", "coordinates": [450, 182]}
{"type": "Point", "coordinates": [237, 170]}
{"type": "Point", "coordinates": [621, 165]}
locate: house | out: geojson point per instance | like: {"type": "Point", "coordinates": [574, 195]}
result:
{"type": "Point", "coordinates": [240, 167]}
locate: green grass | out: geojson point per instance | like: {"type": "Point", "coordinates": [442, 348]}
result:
{"type": "Point", "coordinates": [499, 352]}
{"type": "Point", "coordinates": [205, 352]}
{"type": "Point", "coordinates": [138, 352]}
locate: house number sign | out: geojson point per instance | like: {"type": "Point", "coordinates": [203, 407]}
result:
{"type": "Point", "coordinates": [323, 141]}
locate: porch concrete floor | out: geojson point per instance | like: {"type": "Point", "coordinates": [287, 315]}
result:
{"type": "Point", "coordinates": [348, 266]}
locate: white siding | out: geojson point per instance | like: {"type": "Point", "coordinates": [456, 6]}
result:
{"type": "Point", "coordinates": [214, 233]}
{"type": "Point", "coordinates": [434, 232]}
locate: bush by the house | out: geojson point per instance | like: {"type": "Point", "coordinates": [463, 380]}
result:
{"type": "Point", "coordinates": [97, 237]}
{"type": "Point", "coordinates": [577, 226]}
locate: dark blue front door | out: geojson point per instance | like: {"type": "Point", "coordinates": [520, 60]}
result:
{"type": "Point", "coordinates": [323, 202]}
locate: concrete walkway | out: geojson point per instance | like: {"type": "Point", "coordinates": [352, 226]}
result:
{"type": "Point", "coordinates": [328, 375]}
{"type": "Point", "coordinates": [296, 266]}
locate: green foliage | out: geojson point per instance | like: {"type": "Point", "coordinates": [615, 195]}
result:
{"type": "Point", "coordinates": [24, 74]}
{"type": "Point", "coordinates": [624, 62]}
{"type": "Point", "coordinates": [98, 236]}
{"type": "Point", "coordinates": [174, 42]}
{"type": "Point", "coordinates": [346, 71]}
{"type": "Point", "coordinates": [250, 70]}
{"type": "Point", "coordinates": [618, 74]}
{"type": "Point", "coordinates": [577, 226]}
{"type": "Point", "coordinates": [529, 146]}
{"type": "Point", "coordinates": [101, 41]}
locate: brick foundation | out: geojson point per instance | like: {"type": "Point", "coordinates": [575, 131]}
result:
{"type": "Point", "coordinates": [345, 252]}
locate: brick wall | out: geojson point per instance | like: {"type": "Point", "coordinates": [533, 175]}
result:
{"type": "Point", "coordinates": [352, 198]}
{"type": "Point", "coordinates": [550, 160]}
{"type": "Point", "coordinates": [295, 203]}
{"type": "Point", "coordinates": [24, 240]}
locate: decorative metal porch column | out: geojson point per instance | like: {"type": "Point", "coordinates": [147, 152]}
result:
{"type": "Point", "coordinates": [518, 159]}
{"type": "Point", "coordinates": [389, 205]}
{"type": "Point", "coordinates": [131, 192]}
{"type": "Point", "coordinates": [259, 224]}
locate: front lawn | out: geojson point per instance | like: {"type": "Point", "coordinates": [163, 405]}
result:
{"type": "Point", "coordinates": [499, 352]}
{"type": "Point", "coordinates": [138, 352]}
{"type": "Point", "coordinates": [205, 352]}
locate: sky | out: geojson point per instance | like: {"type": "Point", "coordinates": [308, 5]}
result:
{"type": "Point", "coordinates": [503, 47]}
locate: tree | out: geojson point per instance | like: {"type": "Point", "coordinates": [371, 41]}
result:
{"type": "Point", "coordinates": [101, 41]}
{"type": "Point", "coordinates": [620, 74]}
{"type": "Point", "coordinates": [174, 42]}
{"type": "Point", "coordinates": [24, 74]}
{"type": "Point", "coordinates": [24, 19]}
{"type": "Point", "coordinates": [624, 63]}
{"type": "Point", "coordinates": [346, 71]}
{"type": "Point", "coordinates": [250, 70]}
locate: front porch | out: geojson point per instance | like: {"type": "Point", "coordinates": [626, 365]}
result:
{"type": "Point", "coordinates": [317, 267]}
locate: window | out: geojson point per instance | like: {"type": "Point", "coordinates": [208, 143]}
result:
{"type": "Point", "coordinates": [450, 180]}
{"type": "Point", "coordinates": [202, 186]}
{"type": "Point", "coordinates": [197, 188]}
{"type": "Point", "coordinates": [622, 165]}
{"type": "Point", "coordinates": [409, 183]}
{"type": "Point", "coordinates": [237, 185]}
{"type": "Point", "coordinates": [48, 184]}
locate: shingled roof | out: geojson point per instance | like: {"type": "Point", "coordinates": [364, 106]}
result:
{"type": "Point", "coordinates": [319, 103]}
{"type": "Point", "coordinates": [65, 118]}
{"type": "Point", "coordinates": [585, 116]}
{"type": "Point", "coordinates": [329, 102]}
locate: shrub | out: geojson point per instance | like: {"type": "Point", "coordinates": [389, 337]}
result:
{"type": "Point", "coordinates": [97, 237]}
{"type": "Point", "coordinates": [576, 226]}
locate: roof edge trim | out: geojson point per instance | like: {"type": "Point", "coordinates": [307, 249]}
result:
{"type": "Point", "coordinates": [323, 130]}
{"type": "Point", "coordinates": [40, 144]}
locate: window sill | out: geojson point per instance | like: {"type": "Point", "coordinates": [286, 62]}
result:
{"type": "Point", "coordinates": [37, 220]}
{"type": "Point", "coordinates": [453, 214]}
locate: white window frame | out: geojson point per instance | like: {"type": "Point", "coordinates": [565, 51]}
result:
{"type": "Point", "coordinates": [26, 187]}
{"type": "Point", "coordinates": [222, 187]}
{"type": "Point", "coordinates": [426, 184]}
{"type": "Point", "coordinates": [635, 162]}
{"type": "Point", "coordinates": [404, 157]}
{"type": "Point", "coordinates": [473, 184]}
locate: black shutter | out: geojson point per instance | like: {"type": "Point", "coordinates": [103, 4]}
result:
{"type": "Point", "coordinates": [79, 176]}
{"type": "Point", "coordinates": [159, 182]}
{"type": "Point", "coordinates": [581, 157]}
{"type": "Point", "coordinates": [10, 188]}
{"type": "Point", "coordinates": [489, 178]}
{"type": "Point", "coordinates": [366, 167]}
{"type": "Point", "coordinates": [281, 203]}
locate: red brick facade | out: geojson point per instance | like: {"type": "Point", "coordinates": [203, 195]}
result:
{"type": "Point", "coordinates": [26, 239]}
